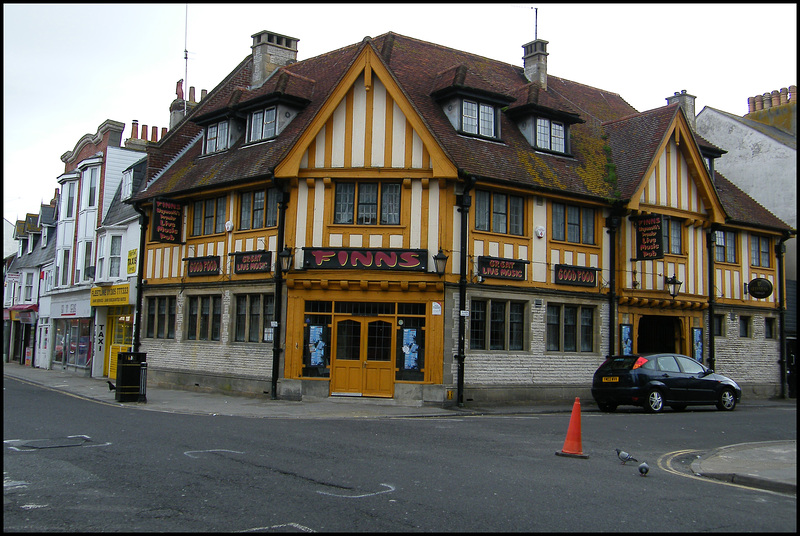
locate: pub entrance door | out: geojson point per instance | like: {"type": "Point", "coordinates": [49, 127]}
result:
{"type": "Point", "coordinates": [362, 359]}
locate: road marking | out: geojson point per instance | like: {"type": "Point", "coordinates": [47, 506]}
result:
{"type": "Point", "coordinates": [190, 453]}
{"type": "Point", "coordinates": [391, 488]}
{"type": "Point", "coordinates": [297, 526]}
{"type": "Point", "coordinates": [665, 464]}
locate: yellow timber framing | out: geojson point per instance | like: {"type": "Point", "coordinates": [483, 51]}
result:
{"type": "Point", "coordinates": [370, 64]}
{"type": "Point", "coordinates": [683, 139]}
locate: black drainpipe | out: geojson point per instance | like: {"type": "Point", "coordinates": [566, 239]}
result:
{"type": "Point", "coordinates": [711, 241]}
{"type": "Point", "coordinates": [278, 307]}
{"type": "Point", "coordinates": [137, 322]}
{"type": "Point", "coordinates": [613, 223]}
{"type": "Point", "coordinates": [780, 249]}
{"type": "Point", "coordinates": [464, 201]}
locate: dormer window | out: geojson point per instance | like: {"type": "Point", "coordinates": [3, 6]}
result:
{"type": "Point", "coordinates": [263, 124]}
{"type": "Point", "coordinates": [550, 135]}
{"type": "Point", "coordinates": [478, 118]}
{"type": "Point", "coordinates": [127, 184]}
{"type": "Point", "coordinates": [217, 137]}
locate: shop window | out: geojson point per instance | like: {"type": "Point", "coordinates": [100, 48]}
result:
{"type": "Point", "coordinates": [317, 339]}
{"type": "Point", "coordinates": [769, 328]}
{"type": "Point", "coordinates": [718, 324]}
{"type": "Point", "coordinates": [744, 326]}
{"type": "Point", "coordinates": [570, 328]}
{"type": "Point", "coordinates": [368, 203]}
{"type": "Point", "coordinates": [160, 317]}
{"type": "Point", "coordinates": [573, 224]}
{"type": "Point", "coordinates": [204, 318]}
{"type": "Point", "coordinates": [410, 342]}
{"type": "Point", "coordinates": [496, 325]}
{"type": "Point", "coordinates": [253, 317]}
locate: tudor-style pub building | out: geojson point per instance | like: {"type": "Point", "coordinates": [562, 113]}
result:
{"type": "Point", "coordinates": [399, 219]}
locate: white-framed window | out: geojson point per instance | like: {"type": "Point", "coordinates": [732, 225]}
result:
{"type": "Point", "coordinates": [263, 124]}
{"type": "Point", "coordinates": [69, 201]}
{"type": "Point", "coordinates": [217, 137]}
{"type": "Point", "coordinates": [101, 256]}
{"type": "Point", "coordinates": [478, 118]}
{"type": "Point", "coordinates": [91, 178]}
{"type": "Point", "coordinates": [28, 286]}
{"type": "Point", "coordinates": [114, 259]}
{"type": "Point", "coordinates": [550, 135]}
{"type": "Point", "coordinates": [127, 184]}
{"type": "Point", "coordinates": [65, 268]}
{"type": "Point", "coordinates": [87, 260]}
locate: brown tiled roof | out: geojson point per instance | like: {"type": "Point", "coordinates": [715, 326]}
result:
{"type": "Point", "coordinates": [743, 209]}
{"type": "Point", "coordinates": [634, 141]}
{"type": "Point", "coordinates": [610, 126]}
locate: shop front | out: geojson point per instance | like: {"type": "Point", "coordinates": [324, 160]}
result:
{"type": "Point", "coordinates": [113, 326]}
{"type": "Point", "coordinates": [365, 338]}
{"type": "Point", "coordinates": [72, 329]}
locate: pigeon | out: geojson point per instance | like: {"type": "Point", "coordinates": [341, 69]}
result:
{"type": "Point", "coordinates": [625, 457]}
{"type": "Point", "coordinates": [111, 386]}
{"type": "Point", "coordinates": [643, 468]}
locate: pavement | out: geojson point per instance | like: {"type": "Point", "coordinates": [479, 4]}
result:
{"type": "Point", "coordinates": [770, 465]}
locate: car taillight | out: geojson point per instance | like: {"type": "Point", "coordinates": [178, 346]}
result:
{"type": "Point", "coordinates": [639, 362]}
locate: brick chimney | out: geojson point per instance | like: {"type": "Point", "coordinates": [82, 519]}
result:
{"type": "Point", "coordinates": [534, 61]}
{"type": "Point", "coordinates": [270, 51]}
{"type": "Point", "coordinates": [687, 104]}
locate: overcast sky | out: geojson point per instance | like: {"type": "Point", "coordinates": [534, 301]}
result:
{"type": "Point", "coordinates": [67, 68]}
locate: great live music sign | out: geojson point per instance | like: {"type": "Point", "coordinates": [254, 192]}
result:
{"type": "Point", "coordinates": [648, 237]}
{"type": "Point", "coordinates": [166, 222]}
{"type": "Point", "coordinates": [501, 268]}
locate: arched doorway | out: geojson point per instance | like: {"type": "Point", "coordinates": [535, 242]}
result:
{"type": "Point", "coordinates": [659, 334]}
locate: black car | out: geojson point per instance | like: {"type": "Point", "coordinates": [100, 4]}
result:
{"type": "Point", "coordinates": [656, 380]}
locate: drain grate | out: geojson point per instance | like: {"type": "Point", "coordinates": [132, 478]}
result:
{"type": "Point", "coordinates": [53, 443]}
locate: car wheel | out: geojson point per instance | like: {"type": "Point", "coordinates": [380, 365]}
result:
{"type": "Point", "coordinates": [608, 408]}
{"type": "Point", "coordinates": [727, 400]}
{"type": "Point", "coordinates": [655, 402]}
{"type": "Point", "coordinates": [678, 407]}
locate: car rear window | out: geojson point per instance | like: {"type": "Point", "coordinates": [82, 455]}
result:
{"type": "Point", "coordinates": [620, 363]}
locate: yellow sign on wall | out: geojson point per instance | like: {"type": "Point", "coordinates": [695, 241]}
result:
{"type": "Point", "coordinates": [132, 261]}
{"type": "Point", "coordinates": [114, 295]}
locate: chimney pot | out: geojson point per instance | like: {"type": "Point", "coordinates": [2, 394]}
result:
{"type": "Point", "coordinates": [135, 129]}
{"type": "Point", "coordinates": [759, 102]}
{"type": "Point", "coordinates": [534, 61]}
{"type": "Point", "coordinates": [271, 51]}
{"type": "Point", "coordinates": [776, 98]}
{"type": "Point", "coordinates": [191, 94]}
{"type": "Point", "coordinates": [154, 136]}
{"type": "Point", "coordinates": [144, 132]}
{"type": "Point", "coordinates": [203, 93]}
{"type": "Point", "coordinates": [784, 95]}
{"type": "Point", "coordinates": [766, 100]}
{"type": "Point", "coordinates": [751, 104]}
{"type": "Point", "coordinates": [792, 93]}
{"type": "Point", "coordinates": [163, 132]}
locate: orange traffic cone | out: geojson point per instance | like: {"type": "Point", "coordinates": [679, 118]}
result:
{"type": "Point", "coordinates": [572, 445]}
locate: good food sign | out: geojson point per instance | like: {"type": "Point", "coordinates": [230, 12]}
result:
{"type": "Point", "coordinates": [576, 275]}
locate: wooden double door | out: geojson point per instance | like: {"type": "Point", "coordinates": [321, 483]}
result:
{"type": "Point", "coordinates": [362, 362]}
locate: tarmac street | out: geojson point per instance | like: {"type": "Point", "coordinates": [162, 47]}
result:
{"type": "Point", "coordinates": [767, 465]}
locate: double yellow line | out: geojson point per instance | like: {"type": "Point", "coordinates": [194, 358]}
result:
{"type": "Point", "coordinates": [665, 464]}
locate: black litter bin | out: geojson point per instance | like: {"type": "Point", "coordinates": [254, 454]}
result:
{"type": "Point", "coordinates": [131, 377]}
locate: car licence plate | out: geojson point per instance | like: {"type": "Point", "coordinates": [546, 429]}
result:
{"type": "Point", "coordinates": [610, 379]}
